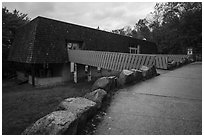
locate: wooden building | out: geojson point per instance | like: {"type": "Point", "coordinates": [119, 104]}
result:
{"type": "Point", "coordinates": [41, 47]}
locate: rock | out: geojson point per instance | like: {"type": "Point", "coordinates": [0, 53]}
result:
{"type": "Point", "coordinates": [171, 65]}
{"type": "Point", "coordinates": [174, 63]}
{"type": "Point", "coordinates": [153, 71]}
{"type": "Point", "coordinates": [148, 72]}
{"type": "Point", "coordinates": [178, 63]}
{"type": "Point", "coordinates": [102, 83]}
{"type": "Point", "coordinates": [83, 108]}
{"type": "Point", "coordinates": [182, 61]}
{"type": "Point", "coordinates": [191, 58]}
{"type": "Point", "coordinates": [185, 60]}
{"type": "Point", "coordinates": [55, 123]}
{"type": "Point", "coordinates": [113, 82]}
{"type": "Point", "coordinates": [96, 96]}
{"type": "Point", "coordinates": [137, 74]}
{"type": "Point", "coordinates": [126, 76]}
{"type": "Point", "coordinates": [145, 71]}
{"type": "Point", "coordinates": [77, 105]}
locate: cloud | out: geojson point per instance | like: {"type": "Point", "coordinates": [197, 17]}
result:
{"type": "Point", "coordinates": [109, 16]}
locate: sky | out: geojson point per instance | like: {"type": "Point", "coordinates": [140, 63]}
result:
{"type": "Point", "coordinates": [107, 15]}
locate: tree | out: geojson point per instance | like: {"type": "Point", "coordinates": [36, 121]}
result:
{"type": "Point", "coordinates": [176, 26]}
{"type": "Point", "coordinates": [142, 29]}
{"type": "Point", "coordinates": [10, 22]}
{"type": "Point", "coordinates": [125, 31]}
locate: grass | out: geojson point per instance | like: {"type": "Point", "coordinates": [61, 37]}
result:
{"type": "Point", "coordinates": [24, 104]}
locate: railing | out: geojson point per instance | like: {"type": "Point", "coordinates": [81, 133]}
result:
{"type": "Point", "coordinates": [162, 60]}
{"type": "Point", "coordinates": [176, 58]}
{"type": "Point", "coordinates": [119, 61]}
{"type": "Point", "coordinates": [111, 60]}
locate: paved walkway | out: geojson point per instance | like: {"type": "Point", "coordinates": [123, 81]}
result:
{"type": "Point", "coordinates": [168, 104]}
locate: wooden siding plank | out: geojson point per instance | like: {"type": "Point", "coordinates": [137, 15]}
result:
{"type": "Point", "coordinates": [113, 62]}
{"type": "Point", "coordinates": [120, 62]}
{"type": "Point", "coordinates": [135, 62]}
{"type": "Point", "coordinates": [148, 58]}
{"type": "Point", "coordinates": [103, 59]}
{"type": "Point", "coordinates": [128, 61]}
{"type": "Point", "coordinates": [139, 60]}
{"type": "Point", "coordinates": [164, 62]}
{"type": "Point", "coordinates": [116, 62]}
{"type": "Point", "coordinates": [107, 60]}
{"type": "Point", "coordinates": [132, 60]}
{"type": "Point", "coordinates": [125, 62]}
{"type": "Point", "coordinates": [143, 60]}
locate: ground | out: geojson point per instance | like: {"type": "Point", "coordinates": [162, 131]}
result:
{"type": "Point", "coordinates": [170, 103]}
{"type": "Point", "coordinates": [24, 104]}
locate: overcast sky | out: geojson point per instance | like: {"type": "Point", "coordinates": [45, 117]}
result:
{"type": "Point", "coordinates": [107, 16]}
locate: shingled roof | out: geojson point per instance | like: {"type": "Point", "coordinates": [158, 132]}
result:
{"type": "Point", "coordinates": [44, 40]}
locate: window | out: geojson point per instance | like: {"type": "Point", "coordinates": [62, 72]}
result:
{"type": "Point", "coordinates": [190, 51]}
{"type": "Point", "coordinates": [74, 45]}
{"type": "Point", "coordinates": [134, 50]}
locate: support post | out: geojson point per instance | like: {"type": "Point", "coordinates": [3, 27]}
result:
{"type": "Point", "coordinates": [89, 73]}
{"type": "Point", "coordinates": [99, 70]}
{"type": "Point", "coordinates": [72, 70]}
{"type": "Point", "coordinates": [138, 49]}
{"type": "Point", "coordinates": [75, 73]}
{"type": "Point", "coordinates": [86, 71]}
{"type": "Point", "coordinates": [33, 74]}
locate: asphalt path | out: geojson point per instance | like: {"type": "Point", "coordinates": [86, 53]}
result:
{"type": "Point", "coordinates": [170, 103]}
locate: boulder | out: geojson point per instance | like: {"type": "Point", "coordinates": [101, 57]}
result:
{"type": "Point", "coordinates": [185, 60]}
{"type": "Point", "coordinates": [83, 108]}
{"type": "Point", "coordinates": [55, 123]}
{"type": "Point", "coordinates": [145, 71]}
{"type": "Point", "coordinates": [102, 83]}
{"type": "Point", "coordinates": [191, 58]}
{"type": "Point", "coordinates": [113, 82]}
{"type": "Point", "coordinates": [171, 65]}
{"type": "Point", "coordinates": [153, 71]}
{"type": "Point", "coordinates": [77, 105]}
{"type": "Point", "coordinates": [182, 62]}
{"type": "Point", "coordinates": [148, 72]}
{"type": "Point", "coordinates": [96, 96]}
{"type": "Point", "coordinates": [137, 74]}
{"type": "Point", "coordinates": [126, 76]}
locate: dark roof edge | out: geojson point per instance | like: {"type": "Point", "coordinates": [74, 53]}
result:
{"type": "Point", "coordinates": [89, 28]}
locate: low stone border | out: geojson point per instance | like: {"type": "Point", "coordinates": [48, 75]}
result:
{"type": "Point", "coordinates": [173, 64]}
{"type": "Point", "coordinates": [73, 113]}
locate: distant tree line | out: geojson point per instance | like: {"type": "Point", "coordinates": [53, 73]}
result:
{"type": "Point", "coordinates": [173, 26]}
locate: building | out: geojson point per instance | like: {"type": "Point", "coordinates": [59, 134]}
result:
{"type": "Point", "coordinates": [41, 47]}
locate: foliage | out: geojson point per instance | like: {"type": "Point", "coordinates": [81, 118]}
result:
{"type": "Point", "coordinates": [173, 26]}
{"type": "Point", "coordinates": [143, 32]}
{"type": "Point", "coordinates": [179, 28]}
{"type": "Point", "coordinates": [125, 31]}
{"type": "Point", "coordinates": [10, 22]}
